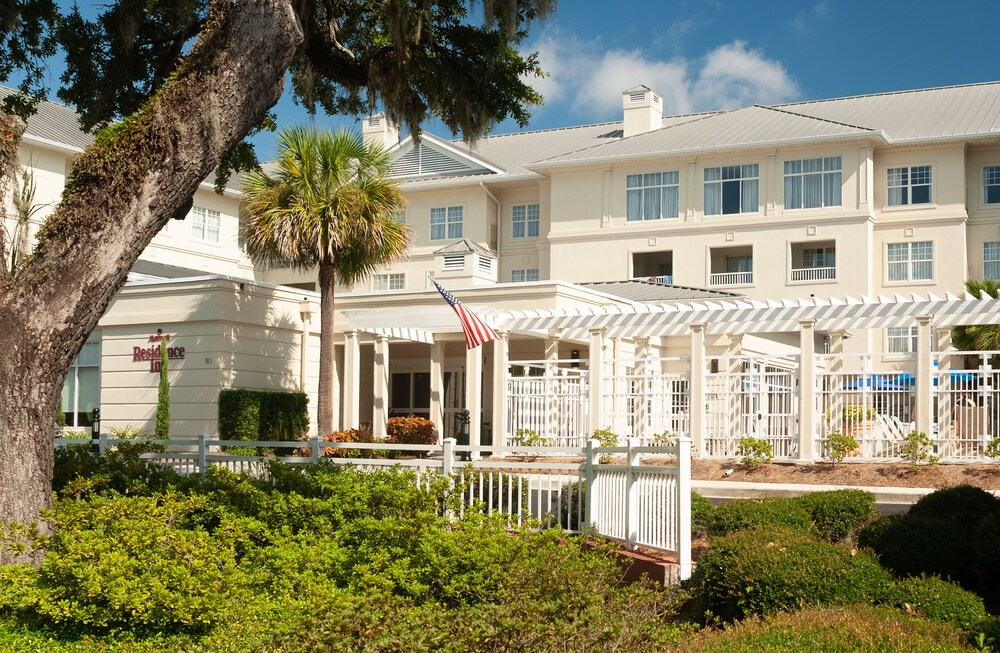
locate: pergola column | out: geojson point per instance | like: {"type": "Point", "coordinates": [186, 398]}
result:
{"type": "Point", "coordinates": [807, 390]}
{"type": "Point", "coordinates": [925, 384]}
{"type": "Point", "coordinates": [552, 345]}
{"type": "Point", "coordinates": [501, 357]}
{"type": "Point", "coordinates": [596, 366]}
{"type": "Point", "coordinates": [836, 408]}
{"type": "Point", "coordinates": [474, 396]}
{"type": "Point", "coordinates": [380, 408]}
{"type": "Point", "coordinates": [697, 400]}
{"type": "Point", "coordinates": [352, 380]}
{"type": "Point", "coordinates": [641, 417]}
{"type": "Point", "coordinates": [437, 388]}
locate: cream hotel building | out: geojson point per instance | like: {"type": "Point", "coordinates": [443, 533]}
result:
{"type": "Point", "coordinates": [892, 195]}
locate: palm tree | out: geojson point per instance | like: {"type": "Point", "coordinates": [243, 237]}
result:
{"type": "Point", "coordinates": [979, 337]}
{"type": "Point", "coordinates": [329, 204]}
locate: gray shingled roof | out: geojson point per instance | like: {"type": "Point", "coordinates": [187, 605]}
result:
{"type": "Point", "coordinates": [649, 291]}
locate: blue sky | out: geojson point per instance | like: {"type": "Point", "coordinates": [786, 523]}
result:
{"type": "Point", "coordinates": [715, 54]}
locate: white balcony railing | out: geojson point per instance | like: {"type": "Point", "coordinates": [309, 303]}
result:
{"type": "Point", "coordinates": [662, 278]}
{"type": "Point", "coordinates": [730, 278]}
{"type": "Point", "coordinates": [813, 274]}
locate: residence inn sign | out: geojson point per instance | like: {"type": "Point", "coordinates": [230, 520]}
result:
{"type": "Point", "coordinates": [152, 353]}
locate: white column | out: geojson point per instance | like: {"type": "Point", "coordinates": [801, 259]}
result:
{"type": "Point", "coordinates": [807, 390]}
{"type": "Point", "coordinates": [352, 380]}
{"type": "Point", "coordinates": [944, 390]}
{"type": "Point", "coordinates": [437, 388]}
{"type": "Point", "coordinates": [697, 399]}
{"type": "Point", "coordinates": [924, 389]}
{"type": "Point", "coordinates": [835, 399]}
{"type": "Point", "coordinates": [380, 409]}
{"type": "Point", "coordinates": [552, 345]}
{"type": "Point", "coordinates": [501, 356]}
{"type": "Point", "coordinates": [474, 395]}
{"type": "Point", "coordinates": [646, 395]}
{"type": "Point", "coordinates": [306, 313]}
{"type": "Point", "coordinates": [596, 369]}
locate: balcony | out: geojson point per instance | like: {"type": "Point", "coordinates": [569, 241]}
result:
{"type": "Point", "coordinates": [666, 279]}
{"type": "Point", "coordinates": [814, 274]}
{"type": "Point", "coordinates": [730, 278]}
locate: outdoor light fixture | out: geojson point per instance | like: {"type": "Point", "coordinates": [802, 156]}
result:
{"type": "Point", "coordinates": [575, 355]}
{"type": "Point", "coordinates": [305, 309]}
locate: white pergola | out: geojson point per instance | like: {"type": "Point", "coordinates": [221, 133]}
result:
{"type": "Point", "coordinates": [932, 315]}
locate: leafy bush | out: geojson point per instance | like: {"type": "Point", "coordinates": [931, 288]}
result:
{"type": "Point", "coordinates": [950, 533]}
{"type": "Point", "coordinates": [702, 512]}
{"type": "Point", "coordinates": [128, 432]}
{"type": "Point", "coordinates": [121, 562]}
{"type": "Point", "coordinates": [606, 438]}
{"type": "Point", "coordinates": [754, 452]}
{"type": "Point", "coordinates": [769, 569]}
{"type": "Point", "coordinates": [78, 473]}
{"type": "Point", "coordinates": [848, 629]}
{"type": "Point", "coordinates": [840, 514]}
{"type": "Point", "coordinates": [262, 415]}
{"type": "Point", "coordinates": [529, 438]}
{"type": "Point", "coordinates": [741, 514]}
{"type": "Point", "coordinates": [855, 413]}
{"type": "Point", "coordinates": [937, 599]}
{"type": "Point", "coordinates": [917, 449]}
{"type": "Point", "coordinates": [411, 430]}
{"type": "Point", "coordinates": [839, 446]}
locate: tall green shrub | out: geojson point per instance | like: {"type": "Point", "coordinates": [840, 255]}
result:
{"type": "Point", "coordinates": [163, 397]}
{"type": "Point", "coordinates": [262, 415]}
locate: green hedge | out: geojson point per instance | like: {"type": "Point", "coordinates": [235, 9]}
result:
{"type": "Point", "coordinates": [939, 600]}
{"type": "Point", "coordinates": [262, 415]}
{"type": "Point", "coordinates": [768, 569]}
{"type": "Point", "coordinates": [833, 516]}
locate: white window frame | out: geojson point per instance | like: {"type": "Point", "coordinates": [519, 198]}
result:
{"type": "Point", "coordinates": [909, 263]}
{"type": "Point", "coordinates": [827, 254]}
{"type": "Point", "coordinates": [389, 281]}
{"type": "Point", "coordinates": [991, 258]}
{"type": "Point", "coordinates": [991, 173]}
{"type": "Point", "coordinates": [652, 196]}
{"type": "Point", "coordinates": [90, 358]}
{"type": "Point", "coordinates": [524, 220]}
{"type": "Point", "coordinates": [746, 176]}
{"type": "Point", "coordinates": [448, 222]}
{"type": "Point", "coordinates": [827, 170]}
{"type": "Point", "coordinates": [206, 224]}
{"type": "Point", "coordinates": [900, 340]}
{"type": "Point", "coordinates": [524, 275]}
{"type": "Point", "coordinates": [906, 185]}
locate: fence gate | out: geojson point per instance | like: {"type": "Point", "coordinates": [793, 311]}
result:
{"type": "Point", "coordinates": [550, 399]}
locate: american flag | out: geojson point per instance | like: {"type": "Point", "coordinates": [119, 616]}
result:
{"type": "Point", "coordinates": [476, 331]}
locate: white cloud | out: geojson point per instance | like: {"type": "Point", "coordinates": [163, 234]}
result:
{"type": "Point", "coordinates": [587, 79]}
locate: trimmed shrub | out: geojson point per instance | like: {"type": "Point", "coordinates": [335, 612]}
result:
{"type": "Point", "coordinates": [122, 562]}
{"type": "Point", "coordinates": [769, 569]}
{"type": "Point", "coordinates": [740, 514]}
{"type": "Point", "coordinates": [79, 473]}
{"type": "Point", "coordinates": [702, 511]}
{"type": "Point", "coordinates": [911, 546]}
{"type": "Point", "coordinates": [962, 505]}
{"type": "Point", "coordinates": [840, 514]}
{"type": "Point", "coordinates": [262, 415]}
{"type": "Point", "coordinates": [411, 430]}
{"type": "Point", "coordinates": [938, 599]}
{"type": "Point", "coordinates": [850, 629]}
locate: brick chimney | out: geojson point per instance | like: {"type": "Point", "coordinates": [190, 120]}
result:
{"type": "Point", "coordinates": [643, 109]}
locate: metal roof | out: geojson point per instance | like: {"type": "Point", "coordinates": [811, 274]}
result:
{"type": "Point", "coordinates": [465, 246]}
{"type": "Point", "coordinates": [639, 290]}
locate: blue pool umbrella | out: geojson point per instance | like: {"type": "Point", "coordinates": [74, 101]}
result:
{"type": "Point", "coordinates": [957, 377]}
{"type": "Point", "coordinates": [876, 382]}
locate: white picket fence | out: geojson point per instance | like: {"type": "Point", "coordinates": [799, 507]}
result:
{"type": "Point", "coordinates": [606, 487]}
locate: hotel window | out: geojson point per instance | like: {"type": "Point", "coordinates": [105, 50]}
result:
{"type": "Point", "coordinates": [911, 261]}
{"type": "Point", "coordinates": [81, 392]}
{"type": "Point", "coordinates": [911, 185]}
{"type": "Point", "coordinates": [395, 281]}
{"type": "Point", "coordinates": [901, 340]}
{"type": "Point", "coordinates": [400, 217]}
{"type": "Point", "coordinates": [732, 189]}
{"type": "Point", "coordinates": [446, 223]}
{"type": "Point", "coordinates": [652, 196]}
{"type": "Point", "coordinates": [991, 184]}
{"type": "Point", "coordinates": [524, 218]}
{"type": "Point", "coordinates": [813, 183]}
{"type": "Point", "coordinates": [819, 257]}
{"type": "Point", "coordinates": [991, 260]}
{"type": "Point", "coordinates": [520, 276]}
{"type": "Point", "coordinates": [205, 224]}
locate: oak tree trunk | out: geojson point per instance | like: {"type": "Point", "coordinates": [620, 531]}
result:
{"type": "Point", "coordinates": [123, 190]}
